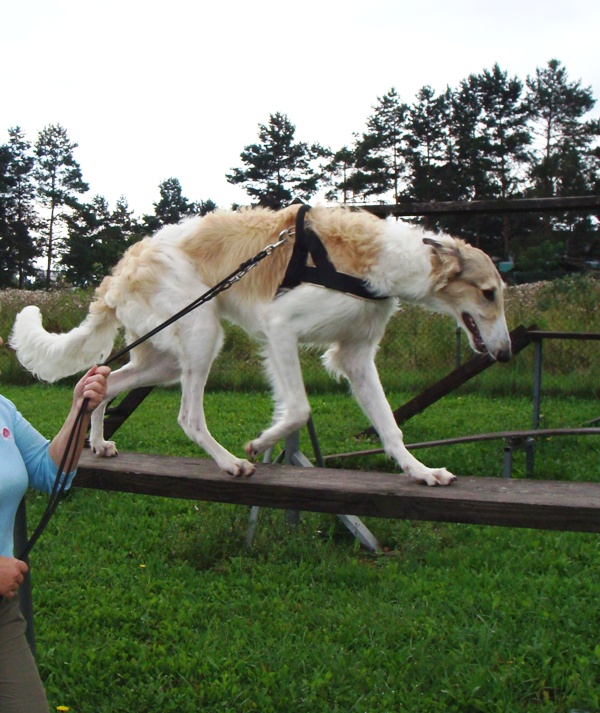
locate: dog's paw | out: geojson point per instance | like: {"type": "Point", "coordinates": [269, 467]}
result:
{"type": "Point", "coordinates": [241, 468]}
{"type": "Point", "coordinates": [432, 476]}
{"type": "Point", "coordinates": [443, 476]}
{"type": "Point", "coordinates": [105, 449]}
{"type": "Point", "coordinates": [252, 449]}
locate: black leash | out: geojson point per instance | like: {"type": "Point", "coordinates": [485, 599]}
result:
{"type": "Point", "coordinates": [67, 463]}
{"type": "Point", "coordinates": [60, 482]}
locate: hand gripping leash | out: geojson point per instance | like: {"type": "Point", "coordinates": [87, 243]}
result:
{"type": "Point", "coordinates": [67, 463]}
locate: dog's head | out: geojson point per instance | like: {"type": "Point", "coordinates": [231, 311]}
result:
{"type": "Point", "coordinates": [468, 287]}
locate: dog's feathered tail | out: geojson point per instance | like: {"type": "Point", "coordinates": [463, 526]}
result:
{"type": "Point", "coordinates": [53, 356]}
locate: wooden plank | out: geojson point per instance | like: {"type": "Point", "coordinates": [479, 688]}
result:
{"type": "Point", "coordinates": [537, 334]}
{"type": "Point", "coordinates": [508, 205]}
{"type": "Point", "coordinates": [473, 500]}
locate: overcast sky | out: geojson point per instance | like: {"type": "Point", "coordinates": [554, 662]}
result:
{"type": "Point", "coordinates": [177, 88]}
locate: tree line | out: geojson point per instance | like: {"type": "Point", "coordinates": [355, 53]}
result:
{"type": "Point", "coordinates": [493, 136]}
{"type": "Point", "coordinates": [43, 216]}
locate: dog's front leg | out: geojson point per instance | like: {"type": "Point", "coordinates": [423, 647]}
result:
{"type": "Point", "coordinates": [357, 363]}
{"type": "Point", "coordinates": [292, 409]}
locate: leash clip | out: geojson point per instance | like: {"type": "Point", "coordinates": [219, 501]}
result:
{"type": "Point", "coordinates": [284, 235]}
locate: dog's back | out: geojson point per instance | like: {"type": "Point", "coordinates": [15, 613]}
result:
{"type": "Point", "coordinates": [219, 242]}
{"type": "Point", "coordinates": [222, 240]}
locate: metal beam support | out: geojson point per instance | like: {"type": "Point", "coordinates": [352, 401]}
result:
{"type": "Point", "coordinates": [537, 398]}
{"type": "Point", "coordinates": [581, 204]}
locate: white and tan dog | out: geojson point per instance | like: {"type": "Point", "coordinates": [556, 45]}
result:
{"type": "Point", "coordinates": [160, 275]}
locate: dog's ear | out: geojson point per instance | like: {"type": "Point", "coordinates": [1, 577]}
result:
{"type": "Point", "coordinates": [446, 261]}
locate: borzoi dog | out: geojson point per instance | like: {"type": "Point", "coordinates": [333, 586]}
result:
{"type": "Point", "coordinates": [160, 275]}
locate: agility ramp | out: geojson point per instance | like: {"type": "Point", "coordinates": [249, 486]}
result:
{"type": "Point", "coordinates": [537, 504]}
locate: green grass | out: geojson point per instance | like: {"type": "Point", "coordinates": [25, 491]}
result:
{"type": "Point", "coordinates": [150, 604]}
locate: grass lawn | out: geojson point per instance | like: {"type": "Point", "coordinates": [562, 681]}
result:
{"type": "Point", "coordinates": [153, 605]}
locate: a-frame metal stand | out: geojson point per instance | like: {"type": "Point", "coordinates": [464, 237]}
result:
{"type": "Point", "coordinates": [292, 455]}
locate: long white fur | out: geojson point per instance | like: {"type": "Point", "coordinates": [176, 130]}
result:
{"type": "Point", "coordinates": [161, 275]}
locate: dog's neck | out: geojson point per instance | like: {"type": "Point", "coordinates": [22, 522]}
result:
{"type": "Point", "coordinates": [404, 269]}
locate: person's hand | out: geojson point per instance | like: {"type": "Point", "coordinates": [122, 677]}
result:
{"type": "Point", "coordinates": [92, 386]}
{"type": "Point", "coordinates": [12, 572]}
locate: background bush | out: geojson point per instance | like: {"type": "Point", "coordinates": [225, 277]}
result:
{"type": "Point", "coordinates": [418, 348]}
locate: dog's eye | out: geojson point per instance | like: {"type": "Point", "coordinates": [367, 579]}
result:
{"type": "Point", "coordinates": [490, 295]}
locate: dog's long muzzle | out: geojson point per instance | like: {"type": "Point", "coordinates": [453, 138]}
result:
{"type": "Point", "coordinates": [499, 348]}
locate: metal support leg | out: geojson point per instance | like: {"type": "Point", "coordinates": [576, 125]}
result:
{"type": "Point", "coordinates": [457, 357]}
{"type": "Point", "coordinates": [537, 384]}
{"type": "Point", "coordinates": [529, 456]}
{"type": "Point", "coordinates": [25, 594]}
{"type": "Point", "coordinates": [252, 523]}
{"type": "Point", "coordinates": [294, 456]}
{"type": "Point", "coordinates": [507, 461]}
{"type": "Point", "coordinates": [537, 397]}
{"type": "Point", "coordinates": [360, 531]}
{"type": "Point", "coordinates": [314, 442]}
{"type": "Point", "coordinates": [255, 510]}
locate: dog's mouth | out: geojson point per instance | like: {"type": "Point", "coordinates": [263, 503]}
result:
{"type": "Point", "coordinates": [471, 325]}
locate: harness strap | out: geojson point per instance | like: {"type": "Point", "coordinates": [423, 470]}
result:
{"type": "Point", "coordinates": [323, 273]}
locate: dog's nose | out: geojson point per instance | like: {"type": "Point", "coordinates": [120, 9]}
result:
{"type": "Point", "coordinates": [503, 355]}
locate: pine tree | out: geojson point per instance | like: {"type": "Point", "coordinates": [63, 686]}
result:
{"type": "Point", "coordinates": [504, 123]}
{"type": "Point", "coordinates": [380, 153]}
{"type": "Point", "coordinates": [172, 207]}
{"type": "Point", "coordinates": [504, 126]}
{"type": "Point", "coordinates": [470, 141]}
{"type": "Point", "coordinates": [19, 246]}
{"type": "Point", "coordinates": [557, 108]}
{"type": "Point", "coordinates": [7, 267]}
{"type": "Point", "coordinates": [129, 226]}
{"type": "Point", "coordinates": [82, 257]}
{"type": "Point", "coordinates": [429, 150]}
{"type": "Point", "coordinates": [279, 168]}
{"type": "Point", "coordinates": [97, 238]}
{"type": "Point", "coordinates": [207, 206]}
{"type": "Point", "coordinates": [338, 173]}
{"type": "Point", "coordinates": [564, 161]}
{"type": "Point", "coordinates": [59, 180]}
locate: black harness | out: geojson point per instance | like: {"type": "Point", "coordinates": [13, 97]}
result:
{"type": "Point", "coordinates": [322, 272]}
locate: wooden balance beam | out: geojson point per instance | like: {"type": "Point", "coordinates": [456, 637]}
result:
{"type": "Point", "coordinates": [545, 505]}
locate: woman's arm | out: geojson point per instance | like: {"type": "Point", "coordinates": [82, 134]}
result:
{"type": "Point", "coordinates": [92, 386]}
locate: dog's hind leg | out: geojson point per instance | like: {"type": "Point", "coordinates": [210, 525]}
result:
{"type": "Point", "coordinates": [357, 363]}
{"type": "Point", "coordinates": [147, 367]}
{"type": "Point", "coordinates": [200, 343]}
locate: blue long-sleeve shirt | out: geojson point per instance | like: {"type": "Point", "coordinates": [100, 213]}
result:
{"type": "Point", "coordinates": [24, 461]}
